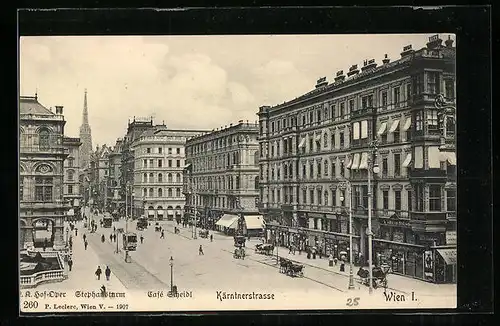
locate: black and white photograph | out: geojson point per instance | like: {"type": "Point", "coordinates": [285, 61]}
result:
{"type": "Point", "coordinates": [237, 172]}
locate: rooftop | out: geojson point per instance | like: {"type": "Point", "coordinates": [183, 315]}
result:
{"type": "Point", "coordinates": [30, 105]}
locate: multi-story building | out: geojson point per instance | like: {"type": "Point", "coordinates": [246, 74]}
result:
{"type": "Point", "coordinates": [71, 192]}
{"type": "Point", "coordinates": [42, 153]}
{"type": "Point", "coordinates": [159, 159]}
{"type": "Point", "coordinates": [223, 176]}
{"type": "Point", "coordinates": [114, 175]}
{"type": "Point", "coordinates": [316, 151]}
{"type": "Point", "coordinates": [134, 129]}
{"type": "Point", "coordinates": [99, 165]}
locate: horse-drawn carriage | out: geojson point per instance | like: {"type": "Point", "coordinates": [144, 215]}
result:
{"type": "Point", "coordinates": [290, 268]}
{"type": "Point", "coordinates": [264, 248]}
{"type": "Point", "coordinates": [239, 253]}
{"type": "Point", "coordinates": [379, 276]}
{"type": "Point", "coordinates": [203, 233]}
{"type": "Point", "coordinates": [157, 227]}
{"type": "Point", "coordinates": [239, 241]}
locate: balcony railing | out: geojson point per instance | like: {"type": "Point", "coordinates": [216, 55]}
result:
{"type": "Point", "coordinates": [430, 173]}
{"type": "Point", "coordinates": [363, 112]}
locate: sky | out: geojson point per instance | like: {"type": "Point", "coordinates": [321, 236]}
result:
{"type": "Point", "coordinates": [187, 82]}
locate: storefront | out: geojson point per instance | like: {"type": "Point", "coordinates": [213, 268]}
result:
{"type": "Point", "coordinates": [445, 264]}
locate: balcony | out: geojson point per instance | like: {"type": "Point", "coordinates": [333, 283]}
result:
{"type": "Point", "coordinates": [368, 111]}
{"type": "Point", "coordinates": [428, 174]}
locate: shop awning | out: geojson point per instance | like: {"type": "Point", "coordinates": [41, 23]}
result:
{"type": "Point", "coordinates": [450, 157]}
{"type": "Point", "coordinates": [407, 160]}
{"type": "Point", "coordinates": [254, 222]}
{"type": "Point", "coordinates": [160, 212]}
{"type": "Point", "coordinates": [170, 212]}
{"type": "Point", "coordinates": [382, 129]}
{"type": "Point", "coordinates": [302, 142]}
{"type": "Point", "coordinates": [407, 124]}
{"type": "Point", "coordinates": [151, 212]}
{"type": "Point", "coordinates": [394, 126]}
{"type": "Point", "coordinates": [449, 255]}
{"type": "Point", "coordinates": [226, 220]}
{"type": "Point", "coordinates": [234, 224]}
{"type": "Point", "coordinates": [364, 161]}
{"type": "Point", "coordinates": [349, 163]}
{"type": "Point", "coordinates": [71, 212]}
{"type": "Point", "coordinates": [355, 162]}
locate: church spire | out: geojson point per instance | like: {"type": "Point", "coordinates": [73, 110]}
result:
{"type": "Point", "coordinates": [85, 120]}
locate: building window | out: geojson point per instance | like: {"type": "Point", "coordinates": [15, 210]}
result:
{"type": "Point", "coordinates": [397, 165]}
{"type": "Point", "coordinates": [326, 167]}
{"type": "Point", "coordinates": [341, 139]}
{"type": "Point", "coordinates": [319, 170]}
{"type": "Point", "coordinates": [178, 163]}
{"type": "Point", "coordinates": [169, 192]}
{"type": "Point", "coordinates": [304, 196]}
{"type": "Point", "coordinates": [70, 189]}
{"type": "Point", "coordinates": [385, 167]}
{"type": "Point", "coordinates": [169, 178]}
{"type": "Point", "coordinates": [311, 170]}
{"type": "Point", "coordinates": [144, 192]}
{"type": "Point", "coordinates": [145, 163]}
{"type": "Point", "coordinates": [278, 174]}
{"type": "Point", "coordinates": [278, 195]}
{"type": "Point", "coordinates": [397, 200]}
{"type": "Point", "coordinates": [334, 174]}
{"type": "Point", "coordinates": [160, 150]}
{"type": "Point", "coordinates": [151, 177]}
{"type": "Point", "coordinates": [178, 177]}
{"type": "Point", "coordinates": [304, 171]}
{"type": "Point", "coordinates": [342, 169]}
{"type": "Point", "coordinates": [21, 187]}
{"type": "Point", "coordinates": [311, 196]}
{"type": "Point", "coordinates": [384, 100]}
{"type": "Point", "coordinates": [178, 192]}
{"type": "Point", "coordinates": [145, 177]}
{"type": "Point", "coordinates": [419, 121]}
{"type": "Point", "coordinates": [170, 151]}
{"type": "Point", "coordinates": [385, 196]}
{"type": "Point", "coordinates": [160, 192]}
{"type": "Point", "coordinates": [151, 163]}
{"type": "Point", "coordinates": [44, 139]}
{"type": "Point", "coordinates": [451, 200]}
{"type": "Point", "coordinates": [342, 110]}
{"type": "Point", "coordinates": [410, 206]}
{"type": "Point", "coordinates": [435, 198]}
{"type": "Point", "coordinates": [43, 189]}
{"type": "Point", "coordinates": [408, 92]}
{"type": "Point", "coordinates": [325, 141]}
{"type": "Point", "coordinates": [169, 163]}
{"type": "Point", "coordinates": [151, 192]}
{"type": "Point", "coordinates": [148, 150]}
{"type": "Point", "coordinates": [449, 89]}
{"type": "Point", "coordinates": [419, 198]}
{"type": "Point", "coordinates": [160, 177]}
{"type": "Point", "coordinates": [311, 145]}
{"type": "Point", "coordinates": [160, 163]}
{"type": "Point", "coordinates": [320, 198]}
{"type": "Point", "coordinates": [397, 95]}
{"type": "Point", "coordinates": [432, 82]}
{"type": "Point", "coordinates": [432, 119]}
{"type": "Point", "coordinates": [71, 175]}
{"type": "Point", "coordinates": [70, 162]}
{"type": "Point", "coordinates": [396, 135]}
{"type": "Point", "coordinates": [177, 150]}
{"type": "Point", "coordinates": [408, 134]}
{"type": "Point", "coordinates": [278, 152]}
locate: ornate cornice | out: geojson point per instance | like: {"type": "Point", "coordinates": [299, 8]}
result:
{"type": "Point", "coordinates": [397, 187]}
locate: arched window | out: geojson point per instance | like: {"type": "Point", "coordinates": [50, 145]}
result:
{"type": "Point", "coordinates": [256, 183]}
{"type": "Point", "coordinates": [179, 177]}
{"type": "Point", "coordinates": [169, 192]}
{"type": "Point", "coordinates": [160, 192]}
{"type": "Point", "coordinates": [325, 140]}
{"type": "Point", "coordinates": [326, 197]}
{"type": "Point", "coordinates": [160, 177]}
{"type": "Point", "coordinates": [170, 177]}
{"type": "Point", "coordinates": [71, 175]}
{"type": "Point", "coordinates": [151, 177]}
{"type": "Point", "coordinates": [145, 177]}
{"type": "Point", "coordinates": [326, 167]}
{"type": "Point", "coordinates": [151, 192]}
{"type": "Point", "coordinates": [44, 139]}
{"type": "Point", "coordinates": [237, 182]}
{"type": "Point", "coordinates": [272, 174]}
{"type": "Point", "coordinates": [144, 192]}
{"type": "Point", "coordinates": [178, 192]}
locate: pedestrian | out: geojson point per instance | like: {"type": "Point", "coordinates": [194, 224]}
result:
{"type": "Point", "coordinates": [76, 232]}
{"type": "Point", "coordinates": [200, 251]}
{"type": "Point", "coordinates": [85, 244]}
{"type": "Point", "coordinates": [70, 263]}
{"type": "Point", "coordinates": [142, 239]}
{"type": "Point", "coordinates": [98, 272]}
{"type": "Point", "coordinates": [114, 237]}
{"type": "Point", "coordinates": [103, 239]}
{"type": "Point", "coordinates": [162, 236]}
{"type": "Point", "coordinates": [84, 237]}
{"type": "Point", "coordinates": [330, 260]}
{"type": "Point", "coordinates": [111, 237]}
{"type": "Point", "coordinates": [211, 238]}
{"type": "Point", "coordinates": [107, 272]}
{"type": "Point", "coordinates": [290, 249]}
{"type": "Point", "coordinates": [114, 229]}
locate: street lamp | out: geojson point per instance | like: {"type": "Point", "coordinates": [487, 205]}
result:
{"type": "Point", "coordinates": [171, 274]}
{"type": "Point", "coordinates": [346, 185]}
{"type": "Point", "coordinates": [372, 167]}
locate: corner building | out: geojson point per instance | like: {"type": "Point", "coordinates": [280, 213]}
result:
{"type": "Point", "coordinates": [159, 160]}
{"type": "Point", "coordinates": [222, 177]}
{"type": "Point", "coordinates": [311, 144]}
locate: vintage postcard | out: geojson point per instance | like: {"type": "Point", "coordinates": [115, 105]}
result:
{"type": "Point", "coordinates": [242, 172]}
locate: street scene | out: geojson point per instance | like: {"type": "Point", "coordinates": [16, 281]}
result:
{"type": "Point", "coordinates": [200, 182]}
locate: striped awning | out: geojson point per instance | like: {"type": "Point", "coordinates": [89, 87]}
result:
{"type": "Point", "coordinates": [394, 126]}
{"type": "Point", "coordinates": [363, 164]}
{"type": "Point", "coordinates": [302, 142]}
{"type": "Point", "coordinates": [382, 129]}
{"type": "Point", "coordinates": [407, 160]}
{"type": "Point", "coordinates": [355, 162]}
{"type": "Point", "coordinates": [255, 222]}
{"type": "Point", "coordinates": [227, 220]}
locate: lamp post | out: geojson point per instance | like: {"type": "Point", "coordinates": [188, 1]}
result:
{"type": "Point", "coordinates": [372, 167]}
{"type": "Point", "coordinates": [171, 274]}
{"type": "Point", "coordinates": [346, 185]}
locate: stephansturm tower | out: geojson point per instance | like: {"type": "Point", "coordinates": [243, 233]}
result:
{"type": "Point", "coordinates": [85, 135]}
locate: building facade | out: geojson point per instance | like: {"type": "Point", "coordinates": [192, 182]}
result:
{"type": "Point", "coordinates": [114, 199]}
{"type": "Point", "coordinates": [316, 151]}
{"type": "Point", "coordinates": [42, 154]}
{"type": "Point", "coordinates": [72, 195]}
{"type": "Point", "coordinates": [222, 174]}
{"type": "Point", "coordinates": [99, 166]}
{"type": "Point", "coordinates": [159, 159]}
{"type": "Point", "coordinates": [85, 136]}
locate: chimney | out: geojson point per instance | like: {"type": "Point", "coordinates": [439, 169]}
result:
{"type": "Point", "coordinates": [369, 64]}
{"type": "Point", "coordinates": [241, 121]}
{"type": "Point", "coordinates": [321, 82]}
{"type": "Point", "coordinates": [59, 109]}
{"type": "Point", "coordinates": [353, 71]}
{"type": "Point", "coordinates": [434, 42]}
{"type": "Point", "coordinates": [339, 77]}
{"type": "Point", "coordinates": [407, 50]}
{"type": "Point", "coordinates": [386, 60]}
{"type": "Point", "coordinates": [449, 42]}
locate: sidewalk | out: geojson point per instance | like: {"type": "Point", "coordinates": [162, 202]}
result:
{"type": "Point", "coordinates": [85, 263]}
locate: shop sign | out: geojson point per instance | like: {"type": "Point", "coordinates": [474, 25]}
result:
{"type": "Point", "coordinates": [394, 222]}
{"type": "Point", "coordinates": [451, 237]}
{"type": "Point", "coordinates": [316, 215]}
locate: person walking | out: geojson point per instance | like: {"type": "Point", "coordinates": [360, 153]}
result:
{"type": "Point", "coordinates": [103, 239]}
{"type": "Point", "coordinates": [211, 238]}
{"type": "Point", "coordinates": [111, 237]}
{"type": "Point", "coordinates": [84, 237]}
{"type": "Point", "coordinates": [70, 263]}
{"type": "Point", "coordinates": [162, 236]}
{"type": "Point", "coordinates": [107, 272]}
{"type": "Point", "coordinates": [142, 239]}
{"type": "Point", "coordinates": [200, 251]}
{"type": "Point", "coordinates": [85, 243]}
{"type": "Point", "coordinates": [76, 232]}
{"type": "Point", "coordinates": [114, 237]}
{"type": "Point", "coordinates": [98, 272]}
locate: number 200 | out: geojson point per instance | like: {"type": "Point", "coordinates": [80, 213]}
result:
{"type": "Point", "coordinates": [30, 304]}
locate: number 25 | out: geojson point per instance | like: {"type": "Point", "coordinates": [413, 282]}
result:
{"type": "Point", "coordinates": [352, 301]}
